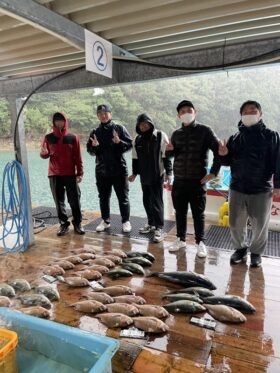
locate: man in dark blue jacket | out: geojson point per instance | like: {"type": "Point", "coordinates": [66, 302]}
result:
{"type": "Point", "coordinates": [253, 156]}
{"type": "Point", "coordinates": [108, 142]}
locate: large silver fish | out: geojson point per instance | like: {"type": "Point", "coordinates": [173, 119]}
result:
{"type": "Point", "coordinates": [35, 300]}
{"type": "Point", "coordinates": [181, 296]}
{"type": "Point", "coordinates": [138, 260]}
{"type": "Point", "coordinates": [7, 290]}
{"type": "Point", "coordinates": [116, 273]}
{"type": "Point", "coordinates": [115, 320]}
{"type": "Point", "coordinates": [184, 306]}
{"type": "Point", "coordinates": [20, 284]}
{"type": "Point", "coordinates": [134, 267]}
{"type": "Point", "coordinates": [150, 324]}
{"type": "Point", "coordinates": [195, 290]}
{"type": "Point", "coordinates": [185, 278]}
{"type": "Point", "coordinates": [225, 313]}
{"type": "Point", "coordinates": [233, 301]}
{"type": "Point", "coordinates": [146, 255]}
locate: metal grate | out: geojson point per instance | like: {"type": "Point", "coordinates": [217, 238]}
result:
{"type": "Point", "coordinates": [220, 237]}
{"type": "Point", "coordinates": [136, 223]}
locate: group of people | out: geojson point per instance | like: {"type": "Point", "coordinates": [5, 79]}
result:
{"type": "Point", "coordinates": [252, 154]}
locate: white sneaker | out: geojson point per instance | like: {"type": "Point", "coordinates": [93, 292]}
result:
{"type": "Point", "coordinates": [126, 227]}
{"type": "Point", "coordinates": [159, 235]}
{"type": "Point", "coordinates": [147, 229]}
{"type": "Point", "coordinates": [102, 226]}
{"type": "Point", "coordinates": [178, 244]}
{"type": "Point", "coordinates": [201, 250]}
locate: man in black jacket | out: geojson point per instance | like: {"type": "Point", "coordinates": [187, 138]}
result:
{"type": "Point", "coordinates": [190, 145]}
{"type": "Point", "coordinates": [253, 156]}
{"type": "Point", "coordinates": [149, 161]}
{"type": "Point", "coordinates": [108, 143]}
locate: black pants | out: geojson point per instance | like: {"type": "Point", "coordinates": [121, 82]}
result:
{"type": "Point", "coordinates": [153, 203]}
{"type": "Point", "coordinates": [104, 186]}
{"type": "Point", "coordinates": [58, 186]}
{"type": "Point", "coordinates": [184, 193]}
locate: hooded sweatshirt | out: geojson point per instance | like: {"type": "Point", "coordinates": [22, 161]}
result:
{"type": "Point", "coordinates": [64, 152]}
{"type": "Point", "coordinates": [148, 153]}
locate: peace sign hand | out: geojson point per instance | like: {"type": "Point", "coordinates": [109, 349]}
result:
{"type": "Point", "coordinates": [223, 149]}
{"type": "Point", "coordinates": [94, 141]}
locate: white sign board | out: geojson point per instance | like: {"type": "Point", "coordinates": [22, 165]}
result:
{"type": "Point", "coordinates": [98, 54]}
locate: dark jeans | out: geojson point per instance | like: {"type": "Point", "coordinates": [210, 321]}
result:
{"type": "Point", "coordinates": [153, 203]}
{"type": "Point", "coordinates": [104, 186]}
{"type": "Point", "coordinates": [60, 184]}
{"type": "Point", "coordinates": [191, 192]}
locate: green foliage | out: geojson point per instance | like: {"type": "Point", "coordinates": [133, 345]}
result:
{"type": "Point", "coordinates": [5, 121]}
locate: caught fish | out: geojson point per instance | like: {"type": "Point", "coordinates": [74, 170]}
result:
{"type": "Point", "coordinates": [134, 267]}
{"type": "Point", "coordinates": [4, 301]}
{"type": "Point", "coordinates": [115, 320]}
{"type": "Point", "coordinates": [76, 281]}
{"type": "Point", "coordinates": [225, 313]}
{"type": "Point", "coordinates": [116, 290]}
{"type": "Point", "coordinates": [138, 260]}
{"type": "Point", "coordinates": [36, 311]}
{"type": "Point", "coordinates": [116, 273]}
{"type": "Point", "coordinates": [90, 274]}
{"type": "Point", "coordinates": [65, 264]}
{"type": "Point", "coordinates": [233, 301]}
{"type": "Point", "coordinates": [20, 284]}
{"type": "Point", "coordinates": [7, 290]}
{"type": "Point", "coordinates": [184, 306]}
{"type": "Point", "coordinates": [86, 256]}
{"type": "Point", "coordinates": [74, 259]}
{"type": "Point", "coordinates": [104, 262]}
{"type": "Point", "coordinates": [146, 255]}
{"type": "Point", "coordinates": [35, 300]}
{"type": "Point", "coordinates": [130, 299]}
{"type": "Point", "coordinates": [99, 268]}
{"type": "Point", "coordinates": [183, 296]}
{"type": "Point", "coordinates": [84, 250]}
{"type": "Point", "coordinates": [115, 259]}
{"type": "Point", "coordinates": [195, 290]}
{"type": "Point", "coordinates": [50, 292]}
{"type": "Point", "coordinates": [152, 310]}
{"type": "Point", "coordinates": [117, 252]}
{"type": "Point", "coordinates": [89, 306]}
{"type": "Point", "coordinates": [124, 308]}
{"type": "Point", "coordinates": [150, 324]}
{"type": "Point", "coordinates": [185, 278]}
{"type": "Point", "coordinates": [100, 297]}
{"type": "Point", "coordinates": [54, 270]}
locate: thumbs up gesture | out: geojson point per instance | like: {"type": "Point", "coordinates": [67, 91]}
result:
{"type": "Point", "coordinates": [94, 141]}
{"type": "Point", "coordinates": [116, 138]}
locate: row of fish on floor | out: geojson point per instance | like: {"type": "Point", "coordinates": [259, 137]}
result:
{"type": "Point", "coordinates": [117, 306]}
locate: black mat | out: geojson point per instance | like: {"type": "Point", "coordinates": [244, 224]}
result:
{"type": "Point", "coordinates": [47, 214]}
{"type": "Point", "coordinates": [219, 237]}
{"type": "Point", "coordinates": [136, 223]}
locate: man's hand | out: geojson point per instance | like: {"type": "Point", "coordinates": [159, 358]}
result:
{"type": "Point", "coordinates": [116, 138]}
{"type": "Point", "coordinates": [169, 147]}
{"type": "Point", "coordinates": [44, 149]}
{"type": "Point", "coordinates": [131, 178]}
{"type": "Point", "coordinates": [168, 179]}
{"type": "Point", "coordinates": [276, 193]}
{"type": "Point", "coordinates": [79, 179]}
{"type": "Point", "coordinates": [223, 150]}
{"type": "Point", "coordinates": [207, 178]}
{"type": "Point", "coordinates": [94, 141]}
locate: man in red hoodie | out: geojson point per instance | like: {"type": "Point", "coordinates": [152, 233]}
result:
{"type": "Point", "coordinates": [65, 171]}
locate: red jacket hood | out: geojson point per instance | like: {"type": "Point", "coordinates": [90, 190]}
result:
{"type": "Point", "coordinates": [65, 129]}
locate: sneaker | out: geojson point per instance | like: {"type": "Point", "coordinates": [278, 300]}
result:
{"type": "Point", "coordinates": [102, 226]}
{"type": "Point", "coordinates": [159, 235]}
{"type": "Point", "coordinates": [147, 229]}
{"type": "Point", "coordinates": [239, 255]}
{"type": "Point", "coordinates": [256, 260]}
{"type": "Point", "coordinates": [126, 227]}
{"type": "Point", "coordinates": [178, 244]}
{"type": "Point", "coordinates": [63, 229]}
{"type": "Point", "coordinates": [201, 250]}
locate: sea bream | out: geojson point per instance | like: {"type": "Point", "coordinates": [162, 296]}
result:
{"type": "Point", "coordinates": [152, 310]}
{"type": "Point", "coordinates": [130, 299]}
{"type": "Point", "coordinates": [119, 272]}
{"type": "Point", "coordinates": [117, 252]}
{"type": "Point", "coordinates": [4, 301]}
{"type": "Point", "coordinates": [146, 255]}
{"type": "Point", "coordinates": [116, 290]}
{"type": "Point", "coordinates": [185, 278]}
{"type": "Point", "coordinates": [115, 320]}
{"type": "Point", "coordinates": [124, 308]}
{"type": "Point", "coordinates": [89, 274]}
{"type": "Point", "coordinates": [100, 297]}
{"type": "Point", "coordinates": [86, 256]}
{"type": "Point", "coordinates": [51, 293]}
{"type": "Point", "coordinates": [233, 301]}
{"type": "Point", "coordinates": [150, 324]}
{"type": "Point", "coordinates": [54, 270]}
{"type": "Point", "coordinates": [84, 250]}
{"type": "Point", "coordinates": [184, 306]}
{"type": "Point", "coordinates": [20, 284]}
{"type": "Point", "coordinates": [89, 306]}
{"type": "Point", "coordinates": [75, 259]}
{"type": "Point", "coordinates": [65, 264]}
{"type": "Point", "coordinates": [98, 268]}
{"type": "Point", "coordinates": [225, 313]}
{"type": "Point", "coordinates": [104, 262]}
{"type": "Point", "coordinates": [76, 281]}
{"type": "Point", "coordinates": [181, 296]}
{"type": "Point", "coordinates": [35, 300]}
{"type": "Point", "coordinates": [7, 290]}
{"type": "Point", "coordinates": [36, 311]}
{"type": "Point", "coordinates": [114, 258]}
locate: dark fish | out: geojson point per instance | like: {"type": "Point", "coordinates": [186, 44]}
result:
{"type": "Point", "coordinates": [184, 306]}
{"type": "Point", "coordinates": [195, 290]}
{"type": "Point", "coordinates": [7, 290]}
{"type": "Point", "coordinates": [182, 296]}
{"type": "Point", "coordinates": [138, 260]}
{"type": "Point", "coordinates": [233, 301]}
{"type": "Point", "coordinates": [116, 273]}
{"type": "Point", "coordinates": [185, 278]}
{"type": "Point", "coordinates": [35, 300]}
{"type": "Point", "coordinates": [50, 292]}
{"type": "Point", "coordinates": [20, 284]}
{"type": "Point", "coordinates": [225, 313]}
{"type": "Point", "coordinates": [150, 324]}
{"type": "Point", "coordinates": [146, 255]}
{"type": "Point", "coordinates": [133, 267]}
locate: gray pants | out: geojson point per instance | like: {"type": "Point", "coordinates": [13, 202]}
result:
{"type": "Point", "coordinates": [256, 208]}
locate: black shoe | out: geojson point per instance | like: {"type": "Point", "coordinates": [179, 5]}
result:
{"type": "Point", "coordinates": [79, 229]}
{"type": "Point", "coordinates": [239, 256]}
{"type": "Point", "coordinates": [63, 229]}
{"type": "Point", "coordinates": [256, 260]}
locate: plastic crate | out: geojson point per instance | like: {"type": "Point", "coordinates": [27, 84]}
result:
{"type": "Point", "coordinates": [8, 344]}
{"type": "Point", "coordinates": [50, 347]}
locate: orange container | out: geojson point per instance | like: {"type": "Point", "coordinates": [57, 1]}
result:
{"type": "Point", "coordinates": [8, 344]}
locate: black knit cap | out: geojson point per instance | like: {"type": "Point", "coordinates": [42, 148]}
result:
{"type": "Point", "coordinates": [184, 103]}
{"type": "Point", "coordinates": [144, 118]}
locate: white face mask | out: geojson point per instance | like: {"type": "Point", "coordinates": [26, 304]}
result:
{"type": "Point", "coordinates": [250, 120]}
{"type": "Point", "coordinates": [187, 118]}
